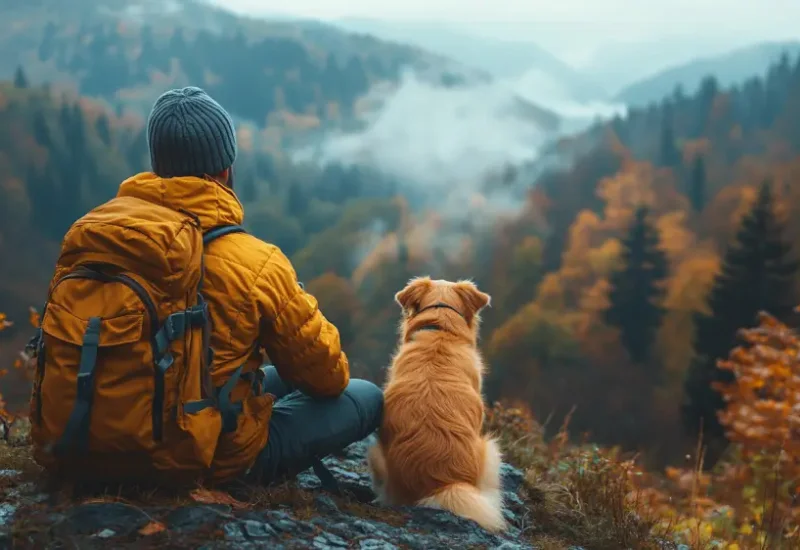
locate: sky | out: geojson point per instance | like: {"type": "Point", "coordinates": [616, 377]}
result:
{"type": "Point", "coordinates": [574, 30]}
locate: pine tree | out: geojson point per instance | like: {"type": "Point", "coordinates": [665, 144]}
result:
{"type": "Point", "coordinates": [103, 129]}
{"type": "Point", "coordinates": [20, 80]}
{"type": "Point", "coordinates": [697, 184]}
{"type": "Point", "coordinates": [297, 200]}
{"type": "Point", "coordinates": [670, 156]}
{"type": "Point", "coordinates": [248, 192]}
{"type": "Point", "coordinates": [758, 273]}
{"type": "Point", "coordinates": [637, 288]}
{"type": "Point", "coordinates": [41, 130]}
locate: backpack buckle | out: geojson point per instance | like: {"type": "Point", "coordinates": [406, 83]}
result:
{"type": "Point", "coordinates": [165, 362]}
{"type": "Point", "coordinates": [175, 326]}
{"type": "Point", "coordinates": [197, 315]}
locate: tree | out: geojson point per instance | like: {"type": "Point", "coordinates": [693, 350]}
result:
{"type": "Point", "coordinates": [103, 130]}
{"type": "Point", "coordinates": [20, 80]}
{"type": "Point", "coordinates": [297, 200]}
{"type": "Point", "coordinates": [248, 192]}
{"type": "Point", "coordinates": [758, 274]}
{"type": "Point", "coordinates": [766, 372]}
{"type": "Point", "coordinates": [637, 289]}
{"type": "Point", "coordinates": [41, 130]}
{"type": "Point", "coordinates": [697, 184]}
{"type": "Point", "coordinates": [670, 156]}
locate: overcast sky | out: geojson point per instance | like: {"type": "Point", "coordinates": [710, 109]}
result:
{"type": "Point", "coordinates": [571, 29]}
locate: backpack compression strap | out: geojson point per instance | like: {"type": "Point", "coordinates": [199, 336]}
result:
{"type": "Point", "coordinates": [221, 230]}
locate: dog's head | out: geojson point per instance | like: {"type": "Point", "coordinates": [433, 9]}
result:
{"type": "Point", "coordinates": [422, 295]}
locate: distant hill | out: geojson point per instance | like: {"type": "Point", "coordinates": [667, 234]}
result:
{"type": "Point", "coordinates": [294, 77]}
{"type": "Point", "coordinates": [501, 58]}
{"type": "Point", "coordinates": [729, 69]}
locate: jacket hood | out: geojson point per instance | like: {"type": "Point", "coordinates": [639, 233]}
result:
{"type": "Point", "coordinates": [213, 203]}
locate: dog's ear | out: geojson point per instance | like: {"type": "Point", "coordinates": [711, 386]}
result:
{"type": "Point", "coordinates": [411, 296]}
{"type": "Point", "coordinates": [473, 299]}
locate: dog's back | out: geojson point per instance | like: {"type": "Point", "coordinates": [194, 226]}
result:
{"type": "Point", "coordinates": [433, 413]}
{"type": "Point", "coordinates": [430, 450]}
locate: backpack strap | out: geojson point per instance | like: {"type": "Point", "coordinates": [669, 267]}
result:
{"type": "Point", "coordinates": [77, 430]}
{"type": "Point", "coordinates": [220, 231]}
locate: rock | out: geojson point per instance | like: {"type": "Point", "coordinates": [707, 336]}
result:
{"type": "Point", "coordinates": [329, 523]}
{"type": "Point", "coordinates": [191, 518]}
{"type": "Point", "coordinates": [376, 544]}
{"type": "Point", "coordinates": [6, 513]}
{"type": "Point", "coordinates": [512, 478]}
{"type": "Point", "coordinates": [258, 530]}
{"type": "Point", "coordinates": [97, 517]}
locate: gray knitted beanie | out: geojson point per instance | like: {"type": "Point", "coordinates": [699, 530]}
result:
{"type": "Point", "coordinates": [190, 134]}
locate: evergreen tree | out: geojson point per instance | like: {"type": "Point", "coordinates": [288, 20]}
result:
{"type": "Point", "coordinates": [297, 200]}
{"type": "Point", "coordinates": [103, 130]}
{"type": "Point", "coordinates": [41, 131]}
{"type": "Point", "coordinates": [697, 184]}
{"type": "Point", "coordinates": [20, 80]}
{"type": "Point", "coordinates": [47, 47]}
{"type": "Point", "coordinates": [758, 273]}
{"type": "Point", "coordinates": [248, 193]}
{"type": "Point", "coordinates": [670, 156]}
{"type": "Point", "coordinates": [636, 289]}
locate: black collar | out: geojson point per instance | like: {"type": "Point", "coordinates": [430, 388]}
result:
{"type": "Point", "coordinates": [438, 305]}
{"type": "Point", "coordinates": [433, 326]}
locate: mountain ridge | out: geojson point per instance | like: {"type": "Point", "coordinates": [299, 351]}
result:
{"type": "Point", "coordinates": [502, 58]}
{"type": "Point", "coordinates": [729, 69]}
{"type": "Point", "coordinates": [307, 75]}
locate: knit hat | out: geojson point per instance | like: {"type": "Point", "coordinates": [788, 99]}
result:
{"type": "Point", "coordinates": [190, 134]}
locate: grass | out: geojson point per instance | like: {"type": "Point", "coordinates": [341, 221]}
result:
{"type": "Point", "coordinates": [575, 495]}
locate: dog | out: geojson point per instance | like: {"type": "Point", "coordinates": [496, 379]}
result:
{"type": "Point", "coordinates": [430, 450]}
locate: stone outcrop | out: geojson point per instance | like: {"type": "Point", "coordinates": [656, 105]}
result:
{"type": "Point", "coordinates": [328, 522]}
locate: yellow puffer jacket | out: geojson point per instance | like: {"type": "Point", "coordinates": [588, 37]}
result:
{"type": "Point", "coordinates": [255, 303]}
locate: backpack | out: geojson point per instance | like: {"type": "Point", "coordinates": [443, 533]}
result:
{"type": "Point", "coordinates": [122, 389]}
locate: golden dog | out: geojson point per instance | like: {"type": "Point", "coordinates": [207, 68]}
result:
{"type": "Point", "coordinates": [430, 450]}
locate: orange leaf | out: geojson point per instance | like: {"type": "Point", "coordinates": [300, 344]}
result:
{"type": "Point", "coordinates": [216, 497]}
{"type": "Point", "coordinates": [33, 317]}
{"type": "Point", "coordinates": [152, 528]}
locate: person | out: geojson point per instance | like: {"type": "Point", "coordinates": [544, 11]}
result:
{"type": "Point", "coordinates": [254, 300]}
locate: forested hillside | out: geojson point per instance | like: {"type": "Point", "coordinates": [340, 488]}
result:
{"type": "Point", "coordinates": [617, 285]}
{"type": "Point", "coordinates": [730, 69]}
{"type": "Point", "coordinates": [596, 283]}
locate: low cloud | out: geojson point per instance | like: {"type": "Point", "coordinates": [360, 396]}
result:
{"type": "Point", "coordinates": [467, 154]}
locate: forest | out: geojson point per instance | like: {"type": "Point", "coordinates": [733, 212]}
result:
{"type": "Point", "coordinates": [620, 289]}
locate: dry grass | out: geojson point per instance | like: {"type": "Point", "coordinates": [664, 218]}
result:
{"type": "Point", "coordinates": [576, 495]}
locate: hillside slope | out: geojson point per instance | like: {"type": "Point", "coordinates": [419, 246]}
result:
{"type": "Point", "coordinates": [501, 58]}
{"type": "Point", "coordinates": [729, 69]}
{"type": "Point", "coordinates": [295, 76]}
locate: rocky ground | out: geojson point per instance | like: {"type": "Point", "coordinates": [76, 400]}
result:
{"type": "Point", "coordinates": [308, 518]}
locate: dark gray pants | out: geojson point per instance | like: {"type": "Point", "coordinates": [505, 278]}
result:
{"type": "Point", "coordinates": [303, 428]}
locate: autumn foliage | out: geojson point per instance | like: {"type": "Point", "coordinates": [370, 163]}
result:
{"type": "Point", "coordinates": [707, 181]}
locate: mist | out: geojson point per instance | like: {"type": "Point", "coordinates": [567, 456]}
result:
{"type": "Point", "coordinates": [440, 144]}
{"type": "Point", "coordinates": [576, 114]}
{"type": "Point", "coordinates": [467, 154]}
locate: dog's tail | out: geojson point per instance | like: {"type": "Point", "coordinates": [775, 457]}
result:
{"type": "Point", "coordinates": [469, 502]}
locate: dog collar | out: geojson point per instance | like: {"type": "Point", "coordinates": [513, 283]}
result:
{"type": "Point", "coordinates": [432, 326]}
{"type": "Point", "coordinates": [439, 305]}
